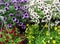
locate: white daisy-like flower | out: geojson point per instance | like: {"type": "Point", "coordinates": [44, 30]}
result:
{"type": "Point", "coordinates": [49, 6]}
{"type": "Point", "coordinates": [52, 24]}
{"type": "Point", "coordinates": [48, 17]}
{"type": "Point", "coordinates": [57, 22]}
{"type": "Point", "coordinates": [53, 5]}
{"type": "Point", "coordinates": [31, 3]}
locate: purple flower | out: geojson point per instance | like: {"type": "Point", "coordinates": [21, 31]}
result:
{"type": "Point", "coordinates": [16, 6]}
{"type": "Point", "coordinates": [9, 25]}
{"type": "Point", "coordinates": [17, 14]}
{"type": "Point", "coordinates": [5, 18]}
{"type": "Point", "coordinates": [25, 0]}
{"type": "Point", "coordinates": [7, 4]}
{"type": "Point", "coordinates": [6, 8]}
{"type": "Point", "coordinates": [25, 15]}
{"type": "Point", "coordinates": [17, 21]}
{"type": "Point", "coordinates": [10, 14]}
{"type": "Point", "coordinates": [1, 2]}
{"type": "Point", "coordinates": [20, 23]}
{"type": "Point", "coordinates": [24, 7]}
{"type": "Point", "coordinates": [23, 27]}
{"type": "Point", "coordinates": [20, 1]}
{"type": "Point", "coordinates": [14, 19]}
{"type": "Point", "coordinates": [13, 1]}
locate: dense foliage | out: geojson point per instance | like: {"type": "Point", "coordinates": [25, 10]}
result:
{"type": "Point", "coordinates": [29, 22]}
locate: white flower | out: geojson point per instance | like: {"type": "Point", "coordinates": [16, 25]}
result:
{"type": "Point", "coordinates": [48, 17]}
{"type": "Point", "coordinates": [56, 22]}
{"type": "Point", "coordinates": [2, 11]}
{"type": "Point", "coordinates": [52, 24]}
{"type": "Point", "coordinates": [2, 18]}
{"type": "Point", "coordinates": [31, 3]}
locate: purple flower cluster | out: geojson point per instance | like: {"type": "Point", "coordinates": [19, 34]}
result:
{"type": "Point", "coordinates": [21, 25]}
{"type": "Point", "coordinates": [25, 15]}
{"type": "Point", "coordinates": [20, 1]}
{"type": "Point", "coordinates": [1, 2]}
{"type": "Point", "coordinates": [9, 25]}
{"type": "Point", "coordinates": [15, 20]}
{"type": "Point", "coordinates": [18, 5]}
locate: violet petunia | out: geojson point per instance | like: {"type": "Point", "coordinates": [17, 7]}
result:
{"type": "Point", "coordinates": [17, 21]}
{"type": "Point", "coordinates": [6, 8]}
{"type": "Point", "coordinates": [20, 1]}
{"type": "Point", "coordinates": [9, 25]}
{"type": "Point", "coordinates": [24, 7]}
{"type": "Point", "coordinates": [14, 19]}
{"type": "Point", "coordinates": [6, 3]}
{"type": "Point", "coordinates": [23, 27]}
{"type": "Point", "coordinates": [16, 6]}
{"type": "Point", "coordinates": [25, 15]}
{"type": "Point", "coordinates": [20, 24]}
{"type": "Point", "coordinates": [11, 14]}
{"type": "Point", "coordinates": [13, 1]}
{"type": "Point", "coordinates": [1, 2]}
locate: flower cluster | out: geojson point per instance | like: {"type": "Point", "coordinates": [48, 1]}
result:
{"type": "Point", "coordinates": [47, 10]}
{"type": "Point", "coordinates": [12, 16]}
{"type": "Point", "coordinates": [29, 21]}
{"type": "Point", "coordinates": [20, 11]}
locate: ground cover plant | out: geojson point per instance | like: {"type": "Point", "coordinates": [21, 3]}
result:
{"type": "Point", "coordinates": [29, 21]}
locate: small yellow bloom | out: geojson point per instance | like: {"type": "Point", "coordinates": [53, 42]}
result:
{"type": "Point", "coordinates": [58, 32]}
{"type": "Point", "coordinates": [29, 42]}
{"type": "Point", "coordinates": [46, 25]}
{"type": "Point", "coordinates": [47, 33]}
{"type": "Point", "coordinates": [58, 26]}
{"type": "Point", "coordinates": [27, 37]}
{"type": "Point", "coordinates": [26, 31]}
{"type": "Point", "coordinates": [48, 41]}
{"type": "Point", "coordinates": [32, 25]}
{"type": "Point", "coordinates": [55, 28]}
{"type": "Point", "coordinates": [44, 42]}
{"type": "Point", "coordinates": [54, 41]}
{"type": "Point", "coordinates": [33, 37]}
{"type": "Point", "coordinates": [51, 37]}
{"type": "Point", "coordinates": [26, 28]}
{"type": "Point", "coordinates": [27, 25]}
{"type": "Point", "coordinates": [30, 33]}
